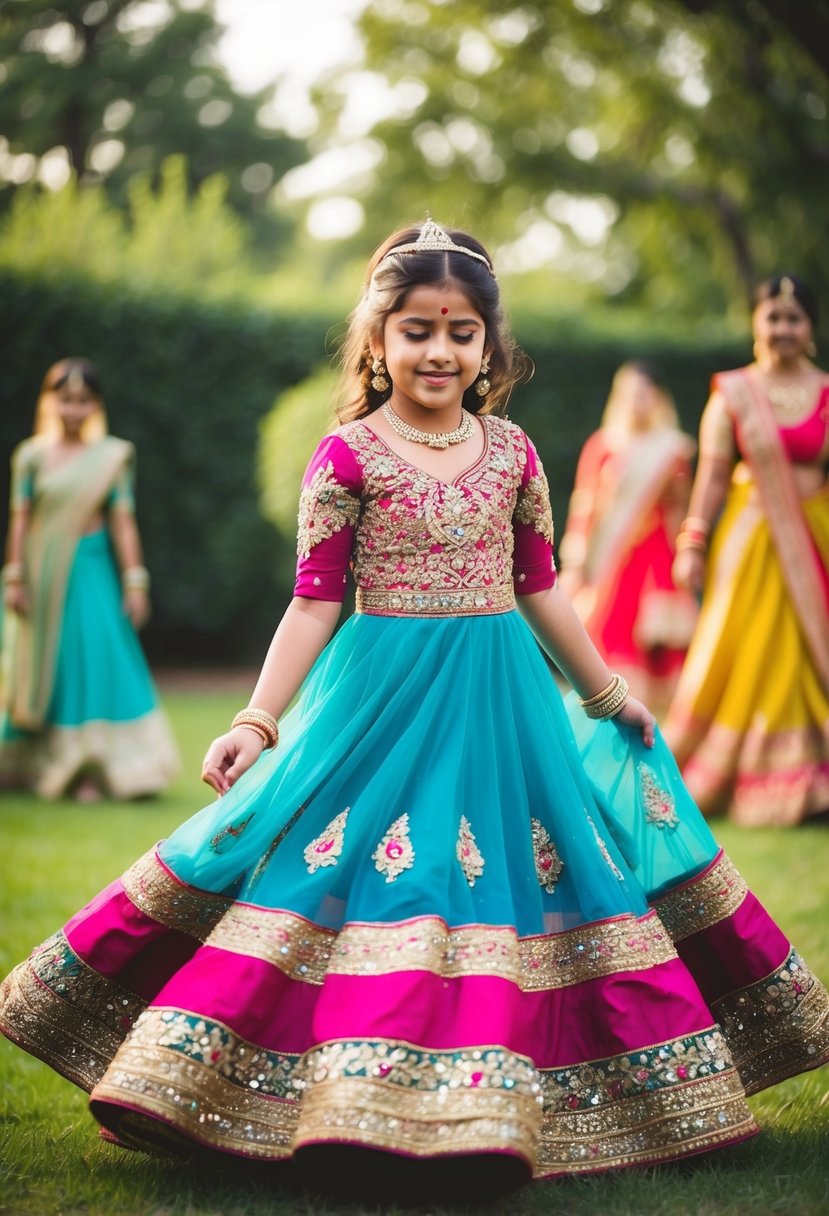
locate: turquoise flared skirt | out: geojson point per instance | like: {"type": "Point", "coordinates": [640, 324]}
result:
{"type": "Point", "coordinates": [447, 918]}
{"type": "Point", "coordinates": [103, 716]}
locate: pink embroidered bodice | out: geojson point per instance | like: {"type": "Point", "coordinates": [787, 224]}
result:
{"type": "Point", "coordinates": [417, 545]}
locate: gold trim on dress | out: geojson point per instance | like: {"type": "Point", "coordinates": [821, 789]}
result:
{"type": "Point", "coordinates": [548, 864]}
{"type": "Point", "coordinates": [712, 896]}
{"type": "Point", "coordinates": [324, 849]}
{"type": "Point", "coordinates": [62, 1011]}
{"type": "Point", "coordinates": [533, 506]}
{"type": "Point", "coordinates": [470, 858]}
{"type": "Point", "coordinates": [777, 1027]}
{"type": "Point", "coordinates": [325, 508]}
{"type": "Point", "coordinates": [475, 601]}
{"type": "Point", "coordinates": [156, 891]}
{"type": "Point", "coordinates": [395, 852]}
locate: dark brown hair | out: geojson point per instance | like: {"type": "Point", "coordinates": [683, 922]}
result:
{"type": "Point", "coordinates": [771, 288]}
{"type": "Point", "coordinates": [389, 279]}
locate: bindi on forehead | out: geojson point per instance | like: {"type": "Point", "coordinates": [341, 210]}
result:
{"type": "Point", "coordinates": [444, 311]}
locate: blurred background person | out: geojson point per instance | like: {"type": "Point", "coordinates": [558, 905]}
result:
{"type": "Point", "coordinates": [630, 495]}
{"type": "Point", "coordinates": [750, 721]}
{"type": "Point", "coordinates": [79, 711]}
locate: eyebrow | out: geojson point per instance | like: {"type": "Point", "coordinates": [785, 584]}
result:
{"type": "Point", "coordinates": [423, 321]}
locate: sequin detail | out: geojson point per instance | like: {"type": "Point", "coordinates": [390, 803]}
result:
{"type": "Point", "coordinates": [660, 807]}
{"type": "Point", "coordinates": [222, 841]}
{"type": "Point", "coordinates": [264, 860]}
{"type": "Point", "coordinates": [778, 1026]}
{"type": "Point", "coordinates": [325, 507]}
{"type": "Point", "coordinates": [326, 848]}
{"type": "Point", "coordinates": [548, 864]}
{"type": "Point", "coordinates": [434, 547]}
{"type": "Point", "coordinates": [469, 855]}
{"type": "Point", "coordinates": [533, 506]}
{"type": "Point", "coordinates": [395, 852]}
{"type": "Point", "coordinates": [605, 851]}
{"type": "Point", "coordinates": [702, 901]}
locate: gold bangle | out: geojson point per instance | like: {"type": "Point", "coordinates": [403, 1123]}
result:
{"type": "Point", "coordinates": [695, 523]}
{"type": "Point", "coordinates": [584, 703]}
{"type": "Point", "coordinates": [136, 578]}
{"type": "Point", "coordinates": [690, 540]}
{"type": "Point", "coordinates": [13, 572]}
{"type": "Point", "coordinates": [265, 724]}
{"type": "Point", "coordinates": [611, 701]}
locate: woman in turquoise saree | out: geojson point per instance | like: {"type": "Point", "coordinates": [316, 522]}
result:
{"type": "Point", "coordinates": [79, 714]}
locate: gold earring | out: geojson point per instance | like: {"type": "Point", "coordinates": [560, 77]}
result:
{"type": "Point", "coordinates": [811, 350]}
{"type": "Point", "coordinates": [379, 382]}
{"type": "Point", "coordinates": [482, 384]}
{"type": "Point", "coordinates": [757, 350]}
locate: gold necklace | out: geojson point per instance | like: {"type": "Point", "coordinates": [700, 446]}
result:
{"type": "Point", "coordinates": [789, 399]}
{"type": "Point", "coordinates": [432, 439]}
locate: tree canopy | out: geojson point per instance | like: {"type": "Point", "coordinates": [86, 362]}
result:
{"type": "Point", "coordinates": [108, 89]}
{"type": "Point", "coordinates": [659, 152]}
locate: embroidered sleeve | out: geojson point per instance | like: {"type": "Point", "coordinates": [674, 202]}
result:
{"type": "Point", "coordinates": [716, 428]}
{"type": "Point", "coordinates": [329, 507]}
{"type": "Point", "coordinates": [532, 524]}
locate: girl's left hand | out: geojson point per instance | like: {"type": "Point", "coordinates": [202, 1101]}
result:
{"type": "Point", "coordinates": [634, 713]}
{"type": "Point", "coordinates": [137, 607]}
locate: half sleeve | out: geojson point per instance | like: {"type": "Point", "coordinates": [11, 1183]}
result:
{"type": "Point", "coordinates": [533, 565]}
{"type": "Point", "coordinates": [329, 507]}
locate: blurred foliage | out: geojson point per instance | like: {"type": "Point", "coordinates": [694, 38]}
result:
{"type": "Point", "coordinates": [288, 436]}
{"type": "Point", "coordinates": [167, 240]}
{"type": "Point", "coordinates": [111, 88]}
{"type": "Point", "coordinates": [666, 154]}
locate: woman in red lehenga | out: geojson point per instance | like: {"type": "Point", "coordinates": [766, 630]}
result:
{"type": "Point", "coordinates": [750, 722]}
{"type": "Point", "coordinates": [631, 492]}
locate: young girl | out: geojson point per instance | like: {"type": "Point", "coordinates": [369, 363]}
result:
{"type": "Point", "coordinates": [423, 924]}
{"type": "Point", "coordinates": [79, 713]}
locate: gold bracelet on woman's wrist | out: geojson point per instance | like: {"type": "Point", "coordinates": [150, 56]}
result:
{"type": "Point", "coordinates": [261, 721]}
{"type": "Point", "coordinates": [12, 574]}
{"type": "Point", "coordinates": [136, 578]}
{"type": "Point", "coordinates": [608, 702]}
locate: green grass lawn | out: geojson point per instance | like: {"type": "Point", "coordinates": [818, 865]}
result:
{"type": "Point", "coordinates": [55, 857]}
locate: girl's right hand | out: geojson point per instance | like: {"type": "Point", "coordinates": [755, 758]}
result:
{"type": "Point", "coordinates": [229, 756]}
{"type": "Point", "coordinates": [17, 598]}
{"type": "Point", "coordinates": [688, 570]}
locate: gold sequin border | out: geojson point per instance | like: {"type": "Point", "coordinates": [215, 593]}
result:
{"type": "Point", "coordinates": [777, 1027]}
{"type": "Point", "coordinates": [308, 952]}
{"type": "Point", "coordinates": [475, 601]}
{"type": "Point", "coordinates": [712, 896]}
{"type": "Point", "coordinates": [213, 1087]}
{"type": "Point", "coordinates": [62, 1011]}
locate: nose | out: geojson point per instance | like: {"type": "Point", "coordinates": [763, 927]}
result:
{"type": "Point", "coordinates": [438, 350]}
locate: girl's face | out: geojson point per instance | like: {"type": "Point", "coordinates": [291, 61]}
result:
{"type": "Point", "coordinates": [433, 349]}
{"type": "Point", "coordinates": [782, 328]}
{"type": "Point", "coordinates": [73, 406]}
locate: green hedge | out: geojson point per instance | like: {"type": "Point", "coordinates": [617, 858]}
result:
{"type": "Point", "coordinates": [191, 385]}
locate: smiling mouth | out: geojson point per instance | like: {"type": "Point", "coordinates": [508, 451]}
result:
{"type": "Point", "coordinates": [437, 377]}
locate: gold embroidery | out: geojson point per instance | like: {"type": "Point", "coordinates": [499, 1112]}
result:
{"type": "Point", "coordinates": [309, 953]}
{"type": "Point", "coordinates": [262, 863]}
{"type": "Point", "coordinates": [55, 1006]}
{"type": "Point", "coordinates": [395, 852]}
{"type": "Point", "coordinates": [533, 506]}
{"type": "Point", "coordinates": [158, 893]}
{"type": "Point", "coordinates": [548, 864]}
{"type": "Point", "coordinates": [325, 507]}
{"type": "Point", "coordinates": [327, 847]}
{"type": "Point", "coordinates": [477, 601]}
{"type": "Point", "coordinates": [605, 852]}
{"type": "Point", "coordinates": [229, 833]}
{"type": "Point", "coordinates": [419, 540]}
{"type": "Point", "coordinates": [660, 807]}
{"type": "Point", "coordinates": [468, 854]}
{"type": "Point", "coordinates": [710, 897]}
{"type": "Point", "coordinates": [778, 1026]}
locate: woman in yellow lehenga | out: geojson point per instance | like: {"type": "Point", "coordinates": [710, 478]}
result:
{"type": "Point", "coordinates": [78, 711]}
{"type": "Point", "coordinates": [749, 724]}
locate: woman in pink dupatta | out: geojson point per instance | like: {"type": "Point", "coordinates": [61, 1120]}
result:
{"type": "Point", "coordinates": [750, 721]}
{"type": "Point", "coordinates": [631, 492]}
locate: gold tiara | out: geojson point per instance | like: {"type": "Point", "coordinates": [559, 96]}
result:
{"type": "Point", "coordinates": [433, 239]}
{"type": "Point", "coordinates": [787, 289]}
{"type": "Point", "coordinates": [75, 379]}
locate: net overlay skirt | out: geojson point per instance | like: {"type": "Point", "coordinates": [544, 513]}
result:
{"type": "Point", "coordinates": [437, 922]}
